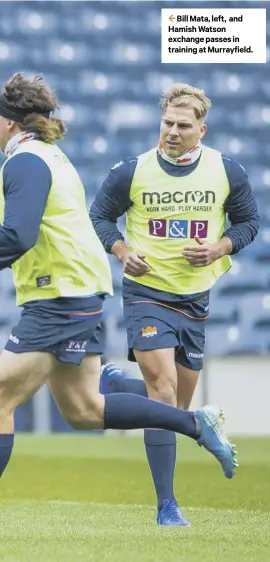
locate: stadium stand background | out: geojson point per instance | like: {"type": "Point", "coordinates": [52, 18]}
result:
{"type": "Point", "coordinates": [103, 59]}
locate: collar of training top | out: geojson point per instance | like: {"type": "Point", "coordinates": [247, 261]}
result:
{"type": "Point", "coordinates": [188, 158]}
{"type": "Point", "coordinates": [18, 114]}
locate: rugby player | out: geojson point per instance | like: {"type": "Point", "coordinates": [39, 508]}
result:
{"type": "Point", "coordinates": [61, 274]}
{"type": "Point", "coordinates": [176, 198]}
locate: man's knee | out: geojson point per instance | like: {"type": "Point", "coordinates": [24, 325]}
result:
{"type": "Point", "coordinates": [8, 404]}
{"type": "Point", "coordinates": [10, 398]}
{"type": "Point", "coordinates": [83, 420]}
{"type": "Point", "coordinates": [163, 390]}
{"type": "Point", "coordinates": [21, 375]}
{"type": "Point", "coordinates": [160, 375]}
{"type": "Point", "coordinates": [88, 416]}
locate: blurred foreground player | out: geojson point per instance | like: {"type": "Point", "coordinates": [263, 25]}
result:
{"type": "Point", "coordinates": [176, 198]}
{"type": "Point", "coordinates": [61, 274]}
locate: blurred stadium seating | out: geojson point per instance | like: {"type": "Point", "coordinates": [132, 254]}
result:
{"type": "Point", "coordinates": [103, 59]}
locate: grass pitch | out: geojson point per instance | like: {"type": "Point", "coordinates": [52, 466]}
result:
{"type": "Point", "coordinates": [80, 498]}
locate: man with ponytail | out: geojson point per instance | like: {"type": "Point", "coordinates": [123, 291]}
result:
{"type": "Point", "coordinates": [61, 274]}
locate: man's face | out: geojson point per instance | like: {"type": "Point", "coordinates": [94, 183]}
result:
{"type": "Point", "coordinates": [180, 130]}
{"type": "Point", "coordinates": [7, 130]}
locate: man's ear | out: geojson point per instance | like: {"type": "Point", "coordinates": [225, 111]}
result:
{"type": "Point", "coordinates": [203, 131]}
{"type": "Point", "coordinates": [11, 124]}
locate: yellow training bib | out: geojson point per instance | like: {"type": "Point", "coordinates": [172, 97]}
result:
{"type": "Point", "coordinates": [68, 260]}
{"type": "Point", "coordinates": [167, 213]}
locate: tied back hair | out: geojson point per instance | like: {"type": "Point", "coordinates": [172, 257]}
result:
{"type": "Point", "coordinates": [33, 94]}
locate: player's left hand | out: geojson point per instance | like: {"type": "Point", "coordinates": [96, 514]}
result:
{"type": "Point", "coordinates": [203, 254]}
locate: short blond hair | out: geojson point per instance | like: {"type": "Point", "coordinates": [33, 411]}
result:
{"type": "Point", "coordinates": [184, 95]}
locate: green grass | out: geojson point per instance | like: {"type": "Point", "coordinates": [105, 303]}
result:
{"type": "Point", "coordinates": [80, 498]}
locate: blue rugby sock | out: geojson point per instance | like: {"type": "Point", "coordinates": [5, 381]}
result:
{"type": "Point", "coordinates": [118, 383]}
{"type": "Point", "coordinates": [6, 446]}
{"type": "Point", "coordinates": [160, 445]}
{"type": "Point", "coordinates": [160, 448]}
{"type": "Point", "coordinates": [129, 411]}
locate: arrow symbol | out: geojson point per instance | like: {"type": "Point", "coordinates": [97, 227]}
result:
{"type": "Point", "coordinates": [172, 18]}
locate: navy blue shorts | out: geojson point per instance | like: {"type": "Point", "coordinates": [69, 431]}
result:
{"type": "Point", "coordinates": [158, 325]}
{"type": "Point", "coordinates": [68, 328]}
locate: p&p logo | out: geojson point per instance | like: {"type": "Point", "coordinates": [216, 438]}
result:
{"type": "Point", "coordinates": [175, 228]}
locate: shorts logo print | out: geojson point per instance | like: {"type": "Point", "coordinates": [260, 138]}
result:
{"type": "Point", "coordinates": [149, 331]}
{"type": "Point", "coordinates": [14, 339]}
{"type": "Point", "coordinates": [76, 346]}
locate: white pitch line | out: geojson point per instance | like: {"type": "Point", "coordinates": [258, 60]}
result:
{"type": "Point", "coordinates": [129, 506]}
{"type": "Point", "coordinates": [149, 506]}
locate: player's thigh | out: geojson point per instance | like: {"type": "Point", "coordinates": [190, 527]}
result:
{"type": "Point", "coordinates": [151, 332]}
{"type": "Point", "coordinates": [21, 374]}
{"type": "Point", "coordinates": [75, 389]}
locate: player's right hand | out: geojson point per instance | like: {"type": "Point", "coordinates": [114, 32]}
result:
{"type": "Point", "coordinates": [135, 265]}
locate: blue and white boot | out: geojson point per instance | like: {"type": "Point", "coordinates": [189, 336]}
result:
{"type": "Point", "coordinates": [107, 371]}
{"type": "Point", "coordinates": [170, 515]}
{"type": "Point", "coordinates": [211, 421]}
